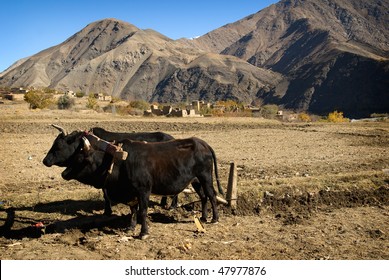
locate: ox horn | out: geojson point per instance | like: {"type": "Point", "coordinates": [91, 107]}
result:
{"type": "Point", "coordinates": [87, 144]}
{"type": "Point", "coordinates": [60, 129]}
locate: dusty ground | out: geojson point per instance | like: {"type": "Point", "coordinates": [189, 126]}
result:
{"type": "Point", "coordinates": [306, 191]}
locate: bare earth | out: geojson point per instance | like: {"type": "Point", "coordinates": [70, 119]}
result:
{"type": "Point", "coordinates": [306, 191]}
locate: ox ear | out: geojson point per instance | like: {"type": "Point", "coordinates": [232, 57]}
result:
{"type": "Point", "coordinates": [61, 129]}
{"type": "Point", "coordinates": [87, 145]}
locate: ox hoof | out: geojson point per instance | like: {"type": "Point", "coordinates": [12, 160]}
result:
{"type": "Point", "coordinates": [214, 221]}
{"type": "Point", "coordinates": [166, 207]}
{"type": "Point", "coordinates": [170, 208]}
{"type": "Point", "coordinates": [144, 236]}
{"type": "Point", "coordinates": [130, 229]}
{"type": "Point", "coordinates": [203, 220]}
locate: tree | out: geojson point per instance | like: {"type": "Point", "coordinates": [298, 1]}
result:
{"type": "Point", "coordinates": [140, 104]}
{"type": "Point", "coordinates": [304, 117]}
{"type": "Point", "coordinates": [65, 102]}
{"type": "Point", "coordinates": [39, 100]}
{"type": "Point", "coordinates": [92, 102]}
{"type": "Point", "coordinates": [80, 94]}
{"type": "Point", "coordinates": [337, 117]}
{"type": "Point", "coordinates": [269, 111]}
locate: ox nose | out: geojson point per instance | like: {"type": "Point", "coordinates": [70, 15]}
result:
{"type": "Point", "coordinates": [47, 162]}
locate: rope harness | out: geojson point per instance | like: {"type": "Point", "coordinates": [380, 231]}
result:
{"type": "Point", "coordinates": [116, 151]}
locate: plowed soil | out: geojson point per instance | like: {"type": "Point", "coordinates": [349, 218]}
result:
{"type": "Point", "coordinates": [305, 191]}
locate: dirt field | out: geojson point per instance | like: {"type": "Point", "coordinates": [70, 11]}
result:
{"type": "Point", "coordinates": [306, 191]}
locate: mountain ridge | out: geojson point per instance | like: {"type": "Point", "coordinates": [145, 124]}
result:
{"type": "Point", "coordinates": [305, 41]}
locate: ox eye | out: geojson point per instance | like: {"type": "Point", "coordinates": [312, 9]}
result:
{"type": "Point", "coordinates": [61, 144]}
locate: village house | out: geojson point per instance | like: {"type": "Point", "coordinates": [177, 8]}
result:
{"type": "Point", "coordinates": [192, 110]}
{"type": "Point", "coordinates": [103, 97]}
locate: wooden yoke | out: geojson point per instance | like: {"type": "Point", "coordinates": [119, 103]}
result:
{"type": "Point", "coordinates": [115, 150]}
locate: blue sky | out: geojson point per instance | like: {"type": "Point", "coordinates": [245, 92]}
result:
{"type": "Point", "coordinates": [31, 26]}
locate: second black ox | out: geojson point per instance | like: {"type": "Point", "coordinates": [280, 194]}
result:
{"type": "Point", "coordinates": [164, 168]}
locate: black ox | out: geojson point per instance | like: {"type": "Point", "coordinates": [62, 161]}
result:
{"type": "Point", "coordinates": [66, 144]}
{"type": "Point", "coordinates": [163, 168]}
{"type": "Point", "coordinates": [136, 136]}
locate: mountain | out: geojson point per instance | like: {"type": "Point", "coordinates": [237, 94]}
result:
{"type": "Point", "coordinates": [119, 59]}
{"type": "Point", "coordinates": [317, 56]}
{"type": "Point", "coordinates": [334, 52]}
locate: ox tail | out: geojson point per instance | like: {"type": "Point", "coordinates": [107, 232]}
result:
{"type": "Point", "coordinates": [216, 171]}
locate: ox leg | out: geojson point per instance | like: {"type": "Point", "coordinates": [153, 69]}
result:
{"type": "Point", "coordinates": [174, 203]}
{"type": "Point", "coordinates": [143, 206]}
{"type": "Point", "coordinates": [107, 204]}
{"type": "Point", "coordinates": [133, 217]}
{"type": "Point", "coordinates": [164, 202]}
{"type": "Point", "coordinates": [204, 209]}
{"type": "Point", "coordinates": [211, 194]}
{"type": "Point", "coordinates": [215, 213]}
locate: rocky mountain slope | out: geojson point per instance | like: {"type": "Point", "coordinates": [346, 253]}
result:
{"type": "Point", "coordinates": [334, 52]}
{"type": "Point", "coordinates": [309, 55]}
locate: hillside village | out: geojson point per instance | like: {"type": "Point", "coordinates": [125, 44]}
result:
{"type": "Point", "coordinates": [108, 104]}
{"type": "Point", "coordinates": [100, 102]}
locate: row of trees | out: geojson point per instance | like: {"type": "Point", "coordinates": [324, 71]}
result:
{"type": "Point", "coordinates": [46, 99]}
{"type": "Point", "coordinates": [41, 99]}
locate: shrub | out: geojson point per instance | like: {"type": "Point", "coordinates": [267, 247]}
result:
{"type": "Point", "coordinates": [304, 117]}
{"type": "Point", "coordinates": [229, 105]}
{"type": "Point", "coordinates": [217, 112]}
{"type": "Point", "coordinates": [140, 104]}
{"type": "Point", "coordinates": [92, 102]}
{"type": "Point", "coordinates": [65, 102]}
{"type": "Point", "coordinates": [38, 100]}
{"type": "Point", "coordinates": [336, 117]}
{"type": "Point", "coordinates": [205, 111]}
{"type": "Point", "coordinates": [379, 115]}
{"type": "Point", "coordinates": [49, 90]}
{"type": "Point", "coordinates": [80, 94]}
{"type": "Point", "coordinates": [269, 111]}
{"type": "Point", "coordinates": [229, 108]}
